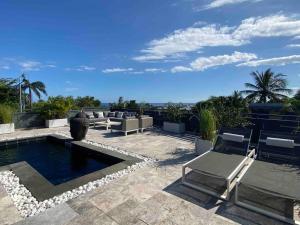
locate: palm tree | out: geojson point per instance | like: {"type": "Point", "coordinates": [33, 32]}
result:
{"type": "Point", "coordinates": [36, 87]}
{"type": "Point", "coordinates": [267, 87]}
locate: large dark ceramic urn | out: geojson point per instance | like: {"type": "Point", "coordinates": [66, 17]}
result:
{"type": "Point", "coordinates": [79, 126]}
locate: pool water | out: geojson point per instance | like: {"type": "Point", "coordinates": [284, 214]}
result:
{"type": "Point", "coordinates": [56, 162]}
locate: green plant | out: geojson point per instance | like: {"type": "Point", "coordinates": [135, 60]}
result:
{"type": "Point", "coordinates": [174, 113]}
{"type": "Point", "coordinates": [6, 113]}
{"type": "Point", "coordinates": [56, 107]}
{"type": "Point", "coordinates": [207, 125]}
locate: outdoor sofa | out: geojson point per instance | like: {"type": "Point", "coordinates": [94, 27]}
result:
{"type": "Point", "coordinates": [218, 168]}
{"type": "Point", "coordinates": [121, 121]}
{"type": "Point", "coordinates": [271, 185]}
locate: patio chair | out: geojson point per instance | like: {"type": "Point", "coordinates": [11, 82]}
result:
{"type": "Point", "coordinates": [271, 185]}
{"type": "Point", "coordinates": [218, 168]}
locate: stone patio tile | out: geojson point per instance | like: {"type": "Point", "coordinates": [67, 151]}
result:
{"type": "Point", "coordinates": [189, 213]}
{"type": "Point", "coordinates": [8, 212]}
{"type": "Point", "coordinates": [122, 213]}
{"type": "Point", "coordinates": [219, 220]}
{"type": "Point", "coordinates": [93, 216]}
{"type": "Point", "coordinates": [167, 201]}
{"type": "Point", "coordinates": [151, 212]}
{"type": "Point", "coordinates": [107, 201]}
{"type": "Point", "coordinates": [58, 215]}
{"type": "Point", "coordinates": [80, 206]}
{"type": "Point", "coordinates": [243, 216]}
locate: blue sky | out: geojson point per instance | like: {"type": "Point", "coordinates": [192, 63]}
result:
{"type": "Point", "coordinates": [153, 51]}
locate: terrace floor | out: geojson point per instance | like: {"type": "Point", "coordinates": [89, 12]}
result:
{"type": "Point", "coordinates": [151, 195]}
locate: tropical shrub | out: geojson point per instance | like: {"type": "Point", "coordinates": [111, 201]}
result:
{"type": "Point", "coordinates": [207, 125]}
{"type": "Point", "coordinates": [174, 113]}
{"type": "Point", "coordinates": [6, 114]}
{"type": "Point", "coordinates": [87, 101]}
{"type": "Point", "coordinates": [229, 111]}
{"type": "Point", "coordinates": [56, 107]}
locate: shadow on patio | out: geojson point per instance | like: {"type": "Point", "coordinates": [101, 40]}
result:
{"type": "Point", "coordinates": [222, 208]}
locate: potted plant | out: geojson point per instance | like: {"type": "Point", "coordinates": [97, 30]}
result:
{"type": "Point", "coordinates": [6, 124]}
{"type": "Point", "coordinates": [207, 131]}
{"type": "Point", "coordinates": [174, 116]}
{"type": "Point", "coordinates": [55, 111]}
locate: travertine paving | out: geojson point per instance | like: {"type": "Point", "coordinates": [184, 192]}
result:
{"type": "Point", "coordinates": [146, 196]}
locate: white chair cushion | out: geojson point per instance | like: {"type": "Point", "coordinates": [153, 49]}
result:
{"type": "Point", "coordinates": [233, 137]}
{"type": "Point", "coordinates": [99, 114]}
{"type": "Point", "coordinates": [279, 142]}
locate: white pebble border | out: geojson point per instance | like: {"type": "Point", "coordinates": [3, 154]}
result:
{"type": "Point", "coordinates": [29, 206]}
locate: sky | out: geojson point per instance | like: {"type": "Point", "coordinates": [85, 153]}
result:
{"type": "Point", "coordinates": [152, 51]}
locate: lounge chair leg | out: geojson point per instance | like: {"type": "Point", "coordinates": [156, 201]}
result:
{"type": "Point", "coordinates": [137, 131]}
{"type": "Point", "coordinates": [125, 133]}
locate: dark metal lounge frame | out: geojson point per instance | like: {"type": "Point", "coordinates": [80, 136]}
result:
{"type": "Point", "coordinates": [277, 155]}
{"type": "Point", "coordinates": [245, 134]}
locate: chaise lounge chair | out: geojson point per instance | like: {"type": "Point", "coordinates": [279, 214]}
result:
{"type": "Point", "coordinates": [271, 185]}
{"type": "Point", "coordinates": [221, 164]}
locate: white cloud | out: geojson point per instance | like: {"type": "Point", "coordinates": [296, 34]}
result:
{"type": "Point", "coordinates": [155, 70]}
{"type": "Point", "coordinates": [5, 67]}
{"type": "Point", "coordinates": [203, 63]}
{"type": "Point", "coordinates": [178, 69]}
{"type": "Point", "coordinates": [293, 46]}
{"type": "Point", "coordinates": [50, 66]}
{"type": "Point", "coordinates": [30, 65]}
{"type": "Point", "coordinates": [81, 68]}
{"type": "Point", "coordinates": [279, 61]}
{"type": "Point", "coordinates": [117, 70]}
{"type": "Point", "coordinates": [193, 39]}
{"type": "Point", "coordinates": [220, 3]}
{"type": "Point", "coordinates": [188, 40]}
{"type": "Point", "coordinates": [137, 72]}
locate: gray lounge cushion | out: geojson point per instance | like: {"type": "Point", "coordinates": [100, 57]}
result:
{"type": "Point", "coordinates": [279, 142]}
{"type": "Point", "coordinates": [98, 114]}
{"type": "Point", "coordinates": [217, 164]}
{"type": "Point", "coordinates": [233, 137]}
{"type": "Point", "coordinates": [281, 180]}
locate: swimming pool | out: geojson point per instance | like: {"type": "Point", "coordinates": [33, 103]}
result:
{"type": "Point", "coordinates": [50, 165]}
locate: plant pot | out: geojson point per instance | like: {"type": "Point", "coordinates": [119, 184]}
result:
{"type": "Point", "coordinates": [7, 128]}
{"type": "Point", "coordinates": [202, 146]}
{"type": "Point", "coordinates": [178, 128]}
{"type": "Point", "coordinates": [79, 126]}
{"type": "Point", "coordinates": [57, 123]}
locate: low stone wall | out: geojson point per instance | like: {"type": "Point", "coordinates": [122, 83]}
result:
{"type": "Point", "coordinates": [28, 120]}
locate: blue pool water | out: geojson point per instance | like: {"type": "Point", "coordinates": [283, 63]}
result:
{"type": "Point", "coordinates": [54, 161]}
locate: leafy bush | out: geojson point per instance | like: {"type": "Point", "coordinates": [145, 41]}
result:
{"type": "Point", "coordinates": [56, 107]}
{"type": "Point", "coordinates": [6, 114]}
{"type": "Point", "coordinates": [229, 111]}
{"type": "Point", "coordinates": [207, 125]}
{"type": "Point", "coordinates": [174, 113]}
